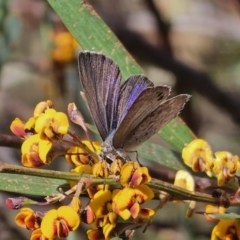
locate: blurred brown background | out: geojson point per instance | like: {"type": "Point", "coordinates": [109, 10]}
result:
{"type": "Point", "coordinates": [192, 45]}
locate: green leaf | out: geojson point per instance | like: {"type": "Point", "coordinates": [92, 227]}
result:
{"type": "Point", "coordinates": [24, 184]}
{"type": "Point", "coordinates": [224, 216]}
{"type": "Point", "coordinates": [177, 134]}
{"type": "Point", "coordinates": [161, 155]}
{"type": "Point", "coordinates": [92, 128]}
{"type": "Point", "coordinates": [93, 34]}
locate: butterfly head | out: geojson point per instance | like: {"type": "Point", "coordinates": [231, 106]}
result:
{"type": "Point", "coordinates": [107, 147]}
{"type": "Point", "coordinates": [109, 152]}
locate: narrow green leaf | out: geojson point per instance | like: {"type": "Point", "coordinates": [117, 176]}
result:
{"type": "Point", "coordinates": [177, 134]}
{"type": "Point", "coordinates": [224, 216]}
{"type": "Point", "coordinates": [93, 34]}
{"type": "Point", "coordinates": [92, 128]}
{"type": "Point", "coordinates": [24, 184]}
{"type": "Point", "coordinates": [161, 155]}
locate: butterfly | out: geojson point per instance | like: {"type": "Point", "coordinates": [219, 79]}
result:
{"type": "Point", "coordinates": [125, 114]}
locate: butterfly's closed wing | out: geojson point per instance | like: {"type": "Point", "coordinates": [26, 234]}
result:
{"type": "Point", "coordinates": [129, 92]}
{"type": "Point", "coordinates": [100, 78]}
{"type": "Point", "coordinates": [128, 115]}
{"type": "Point", "coordinates": [146, 103]}
{"type": "Point", "coordinates": [154, 121]}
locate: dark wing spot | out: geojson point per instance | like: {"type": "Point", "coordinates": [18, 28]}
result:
{"type": "Point", "coordinates": [160, 96]}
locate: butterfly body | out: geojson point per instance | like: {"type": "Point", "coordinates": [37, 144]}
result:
{"type": "Point", "coordinates": [126, 115]}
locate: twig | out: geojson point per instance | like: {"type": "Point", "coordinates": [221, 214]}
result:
{"type": "Point", "coordinates": [10, 141]}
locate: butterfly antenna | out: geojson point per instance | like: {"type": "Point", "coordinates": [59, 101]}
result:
{"type": "Point", "coordinates": [136, 152]}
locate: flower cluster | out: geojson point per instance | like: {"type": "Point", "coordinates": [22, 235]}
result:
{"type": "Point", "coordinates": [116, 205]}
{"type": "Point", "coordinates": [54, 224]}
{"type": "Point", "coordinates": [199, 156]}
{"type": "Point", "coordinates": [125, 203]}
{"type": "Point", "coordinates": [224, 166]}
{"type": "Point", "coordinates": [39, 133]}
{"type": "Point", "coordinates": [228, 228]}
{"type": "Point", "coordinates": [107, 206]}
{"type": "Point", "coordinates": [110, 210]}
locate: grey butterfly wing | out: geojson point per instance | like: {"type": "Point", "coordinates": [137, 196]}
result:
{"type": "Point", "coordinates": [154, 121]}
{"type": "Point", "coordinates": [129, 92]}
{"type": "Point", "coordinates": [101, 79]}
{"type": "Point", "coordinates": [145, 104]}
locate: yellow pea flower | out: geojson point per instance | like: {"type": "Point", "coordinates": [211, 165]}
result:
{"type": "Point", "coordinates": [101, 169]}
{"type": "Point", "coordinates": [41, 107]}
{"type": "Point", "coordinates": [92, 190]}
{"type": "Point", "coordinates": [184, 180]}
{"type": "Point", "coordinates": [52, 125]}
{"type": "Point", "coordinates": [96, 234]}
{"type": "Point", "coordinates": [35, 151]}
{"type": "Point", "coordinates": [17, 128]}
{"type": "Point", "coordinates": [27, 218]}
{"type": "Point", "coordinates": [198, 156]}
{"type": "Point", "coordinates": [65, 46]}
{"type": "Point", "coordinates": [57, 223]}
{"type": "Point", "coordinates": [37, 235]}
{"type": "Point", "coordinates": [78, 156]}
{"type": "Point", "coordinates": [225, 166]}
{"type": "Point", "coordinates": [126, 202]}
{"type": "Point", "coordinates": [210, 209]}
{"type": "Point", "coordinates": [30, 125]}
{"type": "Point", "coordinates": [116, 167]}
{"type": "Point", "coordinates": [101, 206]}
{"type": "Point", "coordinates": [226, 230]}
{"type": "Point", "coordinates": [133, 175]}
{"type": "Point", "coordinates": [100, 203]}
